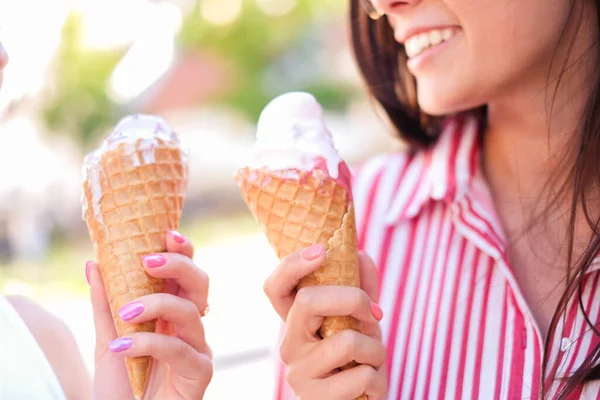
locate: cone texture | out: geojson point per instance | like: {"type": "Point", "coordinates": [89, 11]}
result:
{"type": "Point", "coordinates": [299, 209]}
{"type": "Point", "coordinates": [137, 203]}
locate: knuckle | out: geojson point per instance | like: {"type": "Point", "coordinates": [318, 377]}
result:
{"type": "Point", "coordinates": [206, 367]}
{"type": "Point", "coordinates": [369, 375]}
{"type": "Point", "coordinates": [181, 349]}
{"type": "Point", "coordinates": [147, 342]}
{"type": "Point", "coordinates": [380, 386]}
{"type": "Point", "coordinates": [205, 278]}
{"type": "Point", "coordinates": [160, 302]}
{"type": "Point", "coordinates": [305, 297]}
{"type": "Point", "coordinates": [190, 311]}
{"type": "Point", "coordinates": [363, 300]}
{"type": "Point", "coordinates": [268, 286]}
{"type": "Point", "coordinates": [292, 378]}
{"type": "Point", "coordinates": [349, 341]}
{"type": "Point", "coordinates": [201, 273]}
{"type": "Point", "coordinates": [286, 261]}
{"type": "Point", "coordinates": [354, 298]}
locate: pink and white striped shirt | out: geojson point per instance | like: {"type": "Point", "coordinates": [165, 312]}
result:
{"type": "Point", "coordinates": [456, 325]}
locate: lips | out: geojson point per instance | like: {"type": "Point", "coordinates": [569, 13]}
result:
{"type": "Point", "coordinates": [417, 44]}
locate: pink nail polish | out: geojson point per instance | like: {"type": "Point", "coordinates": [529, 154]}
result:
{"type": "Point", "coordinates": [377, 311]}
{"type": "Point", "coordinates": [120, 344]}
{"type": "Point", "coordinates": [131, 310]}
{"type": "Point", "coordinates": [313, 252]}
{"type": "Point", "coordinates": [87, 272]}
{"type": "Point", "coordinates": [155, 260]}
{"type": "Point", "coordinates": [178, 237]}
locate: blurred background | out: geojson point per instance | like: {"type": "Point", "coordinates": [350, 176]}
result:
{"type": "Point", "coordinates": [208, 67]}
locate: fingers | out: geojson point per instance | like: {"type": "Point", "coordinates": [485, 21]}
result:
{"type": "Point", "coordinates": [354, 382]}
{"type": "Point", "coordinates": [183, 358]}
{"type": "Point", "coordinates": [349, 384]}
{"type": "Point", "coordinates": [177, 243]}
{"type": "Point", "coordinates": [280, 286]}
{"type": "Point", "coordinates": [182, 270]}
{"type": "Point", "coordinates": [315, 302]}
{"type": "Point", "coordinates": [103, 321]}
{"type": "Point", "coordinates": [369, 281]}
{"type": "Point", "coordinates": [181, 312]}
{"type": "Point", "coordinates": [335, 352]}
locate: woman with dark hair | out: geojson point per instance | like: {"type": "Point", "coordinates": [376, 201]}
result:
{"type": "Point", "coordinates": [483, 237]}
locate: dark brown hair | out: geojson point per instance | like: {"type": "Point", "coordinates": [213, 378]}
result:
{"type": "Point", "coordinates": [382, 63]}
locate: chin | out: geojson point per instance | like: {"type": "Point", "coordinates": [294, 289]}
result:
{"type": "Point", "coordinates": [437, 106]}
{"type": "Point", "coordinates": [439, 102]}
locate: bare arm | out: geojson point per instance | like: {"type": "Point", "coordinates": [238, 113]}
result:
{"type": "Point", "coordinates": [58, 344]}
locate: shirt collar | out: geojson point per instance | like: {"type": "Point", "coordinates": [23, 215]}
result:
{"type": "Point", "coordinates": [443, 172]}
{"type": "Point", "coordinates": [446, 172]}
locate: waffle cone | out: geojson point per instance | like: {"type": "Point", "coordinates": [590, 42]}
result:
{"type": "Point", "coordinates": [130, 206]}
{"type": "Point", "coordinates": [300, 209]}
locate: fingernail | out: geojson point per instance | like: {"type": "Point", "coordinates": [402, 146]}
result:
{"type": "Point", "coordinates": [377, 311]}
{"type": "Point", "coordinates": [178, 237]}
{"type": "Point", "coordinates": [155, 260]}
{"type": "Point", "coordinates": [131, 310]}
{"type": "Point", "coordinates": [313, 252]}
{"type": "Point", "coordinates": [120, 344]}
{"type": "Point", "coordinates": [87, 272]}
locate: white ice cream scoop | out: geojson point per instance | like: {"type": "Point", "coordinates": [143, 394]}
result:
{"type": "Point", "coordinates": [140, 134]}
{"type": "Point", "coordinates": [141, 126]}
{"type": "Point", "coordinates": [292, 134]}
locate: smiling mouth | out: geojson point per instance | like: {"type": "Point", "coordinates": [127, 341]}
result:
{"type": "Point", "coordinates": [417, 44]}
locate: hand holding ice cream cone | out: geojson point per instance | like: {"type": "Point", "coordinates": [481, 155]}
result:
{"type": "Point", "coordinates": [134, 189]}
{"type": "Point", "coordinates": [298, 188]}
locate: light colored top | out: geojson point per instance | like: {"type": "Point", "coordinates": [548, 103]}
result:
{"type": "Point", "coordinates": [456, 325]}
{"type": "Point", "coordinates": [24, 370]}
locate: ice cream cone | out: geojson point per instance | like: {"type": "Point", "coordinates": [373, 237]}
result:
{"type": "Point", "coordinates": [133, 195]}
{"type": "Point", "coordinates": [299, 209]}
{"type": "Point", "coordinates": [298, 188]}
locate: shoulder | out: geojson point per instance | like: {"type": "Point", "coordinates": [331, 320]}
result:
{"type": "Point", "coordinates": [377, 180]}
{"type": "Point", "coordinates": [44, 326]}
{"type": "Point", "coordinates": [388, 175]}
{"type": "Point", "coordinates": [368, 175]}
{"type": "Point", "coordinates": [374, 185]}
{"type": "Point", "coordinates": [58, 345]}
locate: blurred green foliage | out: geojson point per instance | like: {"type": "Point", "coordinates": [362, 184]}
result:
{"type": "Point", "coordinates": [257, 42]}
{"type": "Point", "coordinates": [78, 103]}
{"type": "Point", "coordinates": [268, 55]}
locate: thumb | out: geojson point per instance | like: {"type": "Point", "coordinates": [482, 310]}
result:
{"type": "Point", "coordinates": [103, 320]}
{"type": "Point", "coordinates": [369, 281]}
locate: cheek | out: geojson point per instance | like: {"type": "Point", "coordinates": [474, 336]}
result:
{"type": "Point", "coordinates": [503, 45]}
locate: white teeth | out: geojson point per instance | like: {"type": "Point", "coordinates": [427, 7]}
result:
{"type": "Point", "coordinates": [435, 37]}
{"type": "Point", "coordinates": [416, 44]}
{"type": "Point", "coordinates": [447, 33]}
